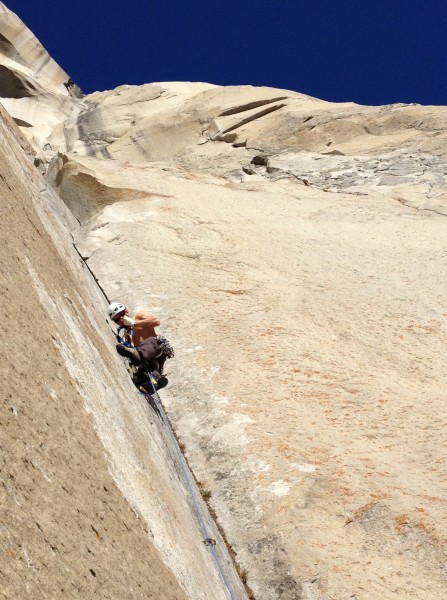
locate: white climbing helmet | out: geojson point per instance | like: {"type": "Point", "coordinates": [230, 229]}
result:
{"type": "Point", "coordinates": [115, 309]}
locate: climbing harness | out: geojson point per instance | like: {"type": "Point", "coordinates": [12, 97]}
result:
{"type": "Point", "coordinates": [164, 344]}
{"type": "Point", "coordinates": [207, 540]}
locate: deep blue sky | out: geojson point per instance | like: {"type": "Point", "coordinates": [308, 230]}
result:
{"type": "Point", "coordinates": [340, 50]}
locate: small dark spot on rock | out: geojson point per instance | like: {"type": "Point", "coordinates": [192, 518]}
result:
{"type": "Point", "coordinates": [259, 160]}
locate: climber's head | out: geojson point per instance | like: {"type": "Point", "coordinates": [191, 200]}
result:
{"type": "Point", "coordinates": [116, 310]}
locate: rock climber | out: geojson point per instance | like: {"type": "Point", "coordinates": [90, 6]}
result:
{"type": "Point", "coordinates": [149, 350]}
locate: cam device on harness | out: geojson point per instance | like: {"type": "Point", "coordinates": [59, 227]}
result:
{"type": "Point", "coordinates": [165, 346]}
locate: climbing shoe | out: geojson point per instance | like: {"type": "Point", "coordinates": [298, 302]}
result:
{"type": "Point", "coordinates": [139, 376]}
{"type": "Point", "coordinates": [150, 387]}
{"type": "Point", "coordinates": [162, 382]}
{"type": "Point", "coordinates": [128, 352]}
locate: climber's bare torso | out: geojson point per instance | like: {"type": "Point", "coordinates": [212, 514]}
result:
{"type": "Point", "coordinates": [144, 327]}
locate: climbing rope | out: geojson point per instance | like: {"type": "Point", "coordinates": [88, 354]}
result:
{"type": "Point", "coordinates": [208, 541]}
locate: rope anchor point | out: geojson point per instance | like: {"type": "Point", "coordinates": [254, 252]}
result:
{"type": "Point", "coordinates": [209, 542]}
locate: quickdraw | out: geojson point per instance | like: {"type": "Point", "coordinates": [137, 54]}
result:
{"type": "Point", "coordinates": [126, 338]}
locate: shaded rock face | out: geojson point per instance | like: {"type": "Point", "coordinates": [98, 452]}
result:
{"type": "Point", "coordinates": [295, 251]}
{"type": "Point", "coordinates": [93, 502]}
{"type": "Point", "coordinates": [63, 514]}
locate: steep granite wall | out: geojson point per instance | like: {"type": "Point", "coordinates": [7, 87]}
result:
{"type": "Point", "coordinates": [93, 502]}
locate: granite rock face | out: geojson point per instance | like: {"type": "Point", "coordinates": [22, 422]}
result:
{"type": "Point", "coordinates": [94, 503]}
{"type": "Point", "coordinates": [35, 91]}
{"type": "Point", "coordinates": [295, 251]}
